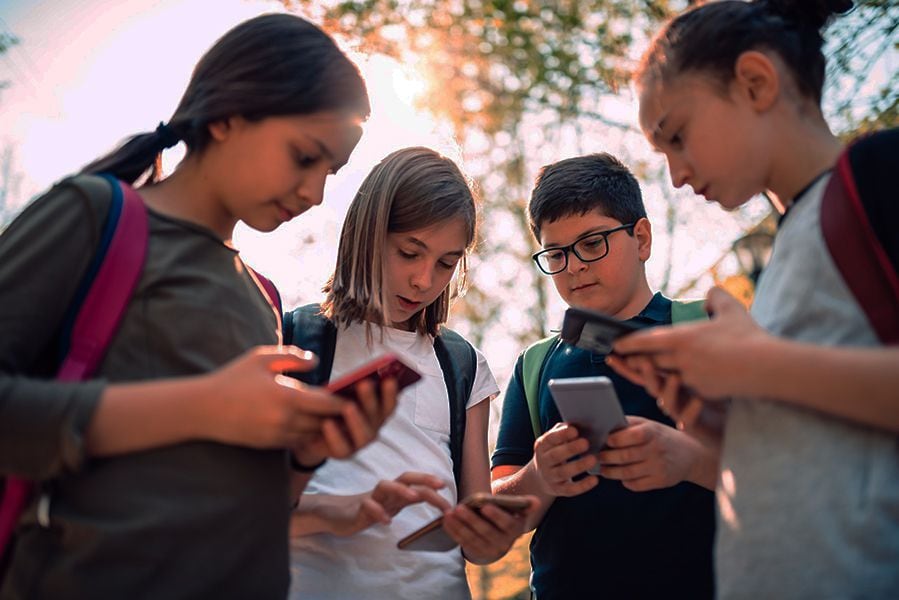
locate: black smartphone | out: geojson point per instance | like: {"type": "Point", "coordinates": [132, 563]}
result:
{"type": "Point", "coordinates": [433, 538]}
{"type": "Point", "coordinates": [384, 367]}
{"type": "Point", "coordinates": [592, 330]}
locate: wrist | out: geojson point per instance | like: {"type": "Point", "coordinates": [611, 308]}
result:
{"type": "Point", "coordinates": [305, 464]}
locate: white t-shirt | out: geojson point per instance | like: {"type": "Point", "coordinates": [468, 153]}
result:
{"type": "Point", "coordinates": [415, 438]}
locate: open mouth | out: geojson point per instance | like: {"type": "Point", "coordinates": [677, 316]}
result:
{"type": "Point", "coordinates": [407, 304]}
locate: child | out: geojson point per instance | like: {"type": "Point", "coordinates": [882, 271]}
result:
{"type": "Point", "coordinates": [166, 476]}
{"type": "Point", "coordinates": [407, 232]}
{"type": "Point", "coordinates": [598, 536]}
{"type": "Point", "coordinates": [809, 484]}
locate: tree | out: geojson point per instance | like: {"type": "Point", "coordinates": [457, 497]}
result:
{"type": "Point", "coordinates": [7, 41]}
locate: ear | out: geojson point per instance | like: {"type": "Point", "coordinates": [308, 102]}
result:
{"type": "Point", "coordinates": [219, 130]}
{"type": "Point", "coordinates": [757, 79]}
{"type": "Point", "coordinates": [643, 235]}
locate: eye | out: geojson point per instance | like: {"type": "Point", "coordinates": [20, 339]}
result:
{"type": "Point", "coordinates": [407, 255]}
{"type": "Point", "coordinates": [676, 140]}
{"type": "Point", "coordinates": [303, 160]}
{"type": "Point", "coordinates": [554, 255]}
{"type": "Point", "coordinates": [593, 243]}
{"type": "Point", "coordinates": [447, 266]}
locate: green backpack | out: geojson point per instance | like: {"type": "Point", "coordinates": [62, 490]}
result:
{"type": "Point", "coordinates": [535, 355]}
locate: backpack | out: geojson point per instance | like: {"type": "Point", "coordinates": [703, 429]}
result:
{"type": "Point", "coordinates": [307, 328]}
{"type": "Point", "coordinates": [95, 313]}
{"type": "Point", "coordinates": [859, 218]}
{"type": "Point", "coordinates": [534, 357]}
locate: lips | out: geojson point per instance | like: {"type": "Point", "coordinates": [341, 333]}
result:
{"type": "Point", "coordinates": [407, 304]}
{"type": "Point", "coordinates": [582, 287]}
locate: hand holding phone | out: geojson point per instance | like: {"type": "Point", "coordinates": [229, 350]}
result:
{"type": "Point", "coordinates": [433, 538]}
{"type": "Point", "coordinates": [594, 331]}
{"type": "Point", "coordinates": [592, 406]}
{"type": "Point", "coordinates": [388, 366]}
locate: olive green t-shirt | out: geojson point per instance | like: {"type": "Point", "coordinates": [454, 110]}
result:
{"type": "Point", "coordinates": [197, 519]}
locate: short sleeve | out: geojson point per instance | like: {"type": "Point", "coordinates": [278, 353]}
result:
{"type": "Point", "coordinates": [485, 386]}
{"type": "Point", "coordinates": [515, 440]}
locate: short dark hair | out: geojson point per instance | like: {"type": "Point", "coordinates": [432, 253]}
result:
{"type": "Point", "coordinates": [576, 186]}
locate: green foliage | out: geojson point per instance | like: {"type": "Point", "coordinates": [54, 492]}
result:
{"type": "Point", "coordinates": [7, 41]}
{"type": "Point", "coordinates": [491, 62]}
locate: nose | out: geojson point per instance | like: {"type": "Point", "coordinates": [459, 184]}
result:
{"type": "Point", "coordinates": [574, 263]}
{"type": "Point", "coordinates": [680, 172]}
{"type": "Point", "coordinates": [311, 189]}
{"type": "Point", "coordinates": [423, 277]}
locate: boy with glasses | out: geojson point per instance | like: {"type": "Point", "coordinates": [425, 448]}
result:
{"type": "Point", "coordinates": [644, 527]}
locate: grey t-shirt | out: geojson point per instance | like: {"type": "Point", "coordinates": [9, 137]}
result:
{"type": "Point", "coordinates": [191, 520]}
{"type": "Point", "coordinates": [808, 504]}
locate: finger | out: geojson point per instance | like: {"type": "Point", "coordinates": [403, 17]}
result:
{"type": "Point", "coordinates": [623, 368]}
{"type": "Point", "coordinates": [431, 497]}
{"type": "Point", "coordinates": [643, 484]}
{"type": "Point", "coordinates": [359, 431]}
{"type": "Point", "coordinates": [690, 413]}
{"type": "Point", "coordinates": [425, 479]}
{"type": "Point", "coordinates": [394, 494]}
{"type": "Point", "coordinates": [669, 399]}
{"type": "Point", "coordinates": [625, 456]}
{"type": "Point", "coordinates": [389, 394]}
{"type": "Point", "coordinates": [560, 455]}
{"type": "Point", "coordinates": [278, 359]}
{"type": "Point", "coordinates": [636, 434]}
{"type": "Point", "coordinates": [651, 341]}
{"type": "Point", "coordinates": [373, 512]}
{"type": "Point", "coordinates": [367, 399]}
{"type": "Point", "coordinates": [333, 434]}
{"type": "Point", "coordinates": [719, 302]}
{"type": "Point", "coordinates": [569, 470]}
{"type": "Point", "coordinates": [497, 518]}
{"type": "Point", "coordinates": [576, 488]}
{"type": "Point", "coordinates": [309, 399]}
{"type": "Point", "coordinates": [651, 376]}
{"type": "Point", "coordinates": [625, 472]}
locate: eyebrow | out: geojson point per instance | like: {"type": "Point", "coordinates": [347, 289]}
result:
{"type": "Point", "coordinates": [657, 131]}
{"type": "Point", "coordinates": [587, 232]}
{"type": "Point", "coordinates": [417, 242]}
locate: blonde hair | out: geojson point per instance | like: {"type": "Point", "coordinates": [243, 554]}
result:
{"type": "Point", "coordinates": [410, 189]}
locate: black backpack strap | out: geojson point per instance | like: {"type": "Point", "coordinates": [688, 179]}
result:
{"type": "Point", "coordinates": [459, 362]}
{"type": "Point", "coordinates": [306, 328]}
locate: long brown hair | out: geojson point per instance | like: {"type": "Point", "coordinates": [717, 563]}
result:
{"type": "Point", "coordinates": [272, 65]}
{"type": "Point", "coordinates": [410, 189]}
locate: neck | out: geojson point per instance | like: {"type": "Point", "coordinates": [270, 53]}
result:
{"type": "Point", "coordinates": [804, 152]}
{"type": "Point", "coordinates": [637, 302]}
{"type": "Point", "coordinates": [186, 195]}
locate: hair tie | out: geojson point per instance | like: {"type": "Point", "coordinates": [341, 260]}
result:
{"type": "Point", "coordinates": [167, 136]}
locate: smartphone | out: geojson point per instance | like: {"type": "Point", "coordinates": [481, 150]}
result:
{"type": "Point", "coordinates": [384, 367]}
{"type": "Point", "coordinates": [433, 538]}
{"type": "Point", "coordinates": [594, 331]}
{"type": "Point", "coordinates": [591, 405]}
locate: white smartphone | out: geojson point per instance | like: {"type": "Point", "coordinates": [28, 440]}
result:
{"type": "Point", "coordinates": [591, 405]}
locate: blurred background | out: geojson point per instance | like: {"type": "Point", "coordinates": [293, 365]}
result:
{"type": "Point", "coordinates": [502, 87]}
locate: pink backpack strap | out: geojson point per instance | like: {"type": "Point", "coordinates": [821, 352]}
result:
{"type": "Point", "coordinates": [95, 324]}
{"type": "Point", "coordinates": [858, 253]}
{"type": "Point", "coordinates": [271, 292]}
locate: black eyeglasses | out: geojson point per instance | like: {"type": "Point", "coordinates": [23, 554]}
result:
{"type": "Point", "coordinates": [589, 248]}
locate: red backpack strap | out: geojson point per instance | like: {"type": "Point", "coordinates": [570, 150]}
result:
{"type": "Point", "coordinates": [858, 253]}
{"type": "Point", "coordinates": [96, 321]}
{"type": "Point", "coordinates": [271, 292]}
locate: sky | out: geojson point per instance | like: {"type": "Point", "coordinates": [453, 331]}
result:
{"type": "Point", "coordinates": [89, 73]}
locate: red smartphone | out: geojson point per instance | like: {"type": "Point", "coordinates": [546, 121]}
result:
{"type": "Point", "coordinates": [388, 366]}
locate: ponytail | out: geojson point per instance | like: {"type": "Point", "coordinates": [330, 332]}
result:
{"type": "Point", "coordinates": [271, 65]}
{"type": "Point", "coordinates": [133, 158]}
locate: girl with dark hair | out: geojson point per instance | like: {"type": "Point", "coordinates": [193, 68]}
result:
{"type": "Point", "coordinates": [166, 476]}
{"type": "Point", "coordinates": [401, 258]}
{"type": "Point", "coordinates": [800, 397]}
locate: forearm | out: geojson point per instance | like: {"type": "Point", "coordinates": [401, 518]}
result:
{"type": "Point", "coordinates": [140, 416]}
{"type": "Point", "coordinates": [525, 481]}
{"type": "Point", "coordinates": [321, 513]}
{"type": "Point", "coordinates": [852, 383]}
{"type": "Point", "coordinates": [704, 471]}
